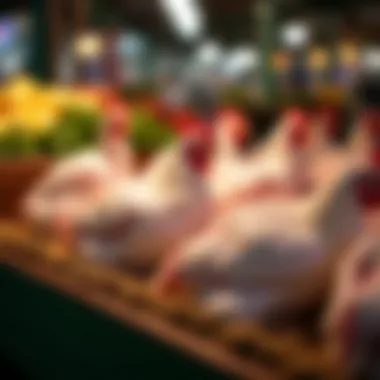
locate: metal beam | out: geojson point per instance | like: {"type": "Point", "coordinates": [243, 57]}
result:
{"type": "Point", "coordinates": [265, 14]}
{"type": "Point", "coordinates": [39, 59]}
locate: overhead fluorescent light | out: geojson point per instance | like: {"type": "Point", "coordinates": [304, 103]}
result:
{"type": "Point", "coordinates": [371, 59]}
{"type": "Point", "coordinates": [88, 46]}
{"type": "Point", "coordinates": [245, 58]}
{"type": "Point", "coordinates": [295, 34]}
{"type": "Point", "coordinates": [209, 53]}
{"type": "Point", "coordinates": [186, 17]}
{"type": "Point", "coordinates": [242, 60]}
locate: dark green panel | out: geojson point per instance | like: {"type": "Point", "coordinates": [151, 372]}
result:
{"type": "Point", "coordinates": [51, 336]}
{"type": "Point", "coordinates": [39, 59]}
{"type": "Point", "coordinates": [265, 12]}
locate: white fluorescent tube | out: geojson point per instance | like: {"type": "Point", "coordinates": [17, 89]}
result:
{"type": "Point", "coordinates": [185, 16]}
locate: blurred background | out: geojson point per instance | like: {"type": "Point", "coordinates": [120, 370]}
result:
{"type": "Point", "coordinates": [259, 56]}
{"type": "Point", "coordinates": [243, 49]}
{"type": "Point", "coordinates": [193, 56]}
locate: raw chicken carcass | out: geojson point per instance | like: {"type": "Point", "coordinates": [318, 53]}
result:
{"type": "Point", "coordinates": [236, 123]}
{"type": "Point", "coordinates": [198, 135]}
{"type": "Point", "coordinates": [281, 164]}
{"type": "Point", "coordinates": [324, 127]}
{"type": "Point", "coordinates": [138, 223]}
{"type": "Point", "coordinates": [353, 317]}
{"type": "Point", "coordinates": [292, 117]}
{"type": "Point", "coordinates": [73, 183]}
{"type": "Point", "coordinates": [366, 153]}
{"type": "Point", "coordinates": [277, 253]}
{"type": "Point", "coordinates": [69, 185]}
{"type": "Point", "coordinates": [362, 148]}
{"type": "Point", "coordinates": [361, 153]}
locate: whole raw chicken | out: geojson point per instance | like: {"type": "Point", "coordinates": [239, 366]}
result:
{"type": "Point", "coordinates": [276, 166]}
{"type": "Point", "coordinates": [290, 118]}
{"type": "Point", "coordinates": [353, 316]}
{"type": "Point", "coordinates": [138, 222]}
{"type": "Point", "coordinates": [75, 182]}
{"type": "Point", "coordinates": [360, 151]}
{"type": "Point", "coordinates": [268, 255]}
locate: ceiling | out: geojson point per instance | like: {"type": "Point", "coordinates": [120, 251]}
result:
{"type": "Point", "coordinates": [232, 21]}
{"type": "Point", "coordinates": [9, 5]}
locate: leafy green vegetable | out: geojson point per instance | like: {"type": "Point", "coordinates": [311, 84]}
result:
{"type": "Point", "coordinates": [16, 142]}
{"type": "Point", "coordinates": [76, 129]}
{"type": "Point", "coordinates": [147, 134]}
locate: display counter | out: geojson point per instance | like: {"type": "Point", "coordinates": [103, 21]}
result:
{"type": "Point", "coordinates": [66, 318]}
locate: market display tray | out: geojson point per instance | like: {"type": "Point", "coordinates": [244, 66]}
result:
{"type": "Point", "coordinates": [55, 296]}
{"type": "Point", "coordinates": [16, 177]}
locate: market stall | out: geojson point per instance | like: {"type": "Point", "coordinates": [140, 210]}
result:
{"type": "Point", "coordinates": [97, 189]}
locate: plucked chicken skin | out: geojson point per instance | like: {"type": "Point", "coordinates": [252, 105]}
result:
{"type": "Point", "coordinates": [74, 183]}
{"type": "Point", "coordinates": [280, 164]}
{"type": "Point", "coordinates": [70, 186]}
{"type": "Point", "coordinates": [136, 223]}
{"type": "Point", "coordinates": [266, 255]}
{"type": "Point", "coordinates": [353, 317]}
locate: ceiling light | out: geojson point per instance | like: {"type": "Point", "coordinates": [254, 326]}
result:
{"type": "Point", "coordinates": [371, 59]}
{"type": "Point", "coordinates": [295, 35]}
{"type": "Point", "coordinates": [209, 53]}
{"type": "Point", "coordinates": [186, 17]}
{"type": "Point", "coordinates": [241, 60]}
{"type": "Point", "coordinates": [88, 46]}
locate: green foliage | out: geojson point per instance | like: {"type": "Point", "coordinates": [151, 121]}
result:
{"type": "Point", "coordinates": [16, 142]}
{"type": "Point", "coordinates": [76, 129]}
{"type": "Point", "coordinates": [147, 134]}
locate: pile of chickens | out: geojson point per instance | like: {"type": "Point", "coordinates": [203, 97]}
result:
{"type": "Point", "coordinates": [252, 233]}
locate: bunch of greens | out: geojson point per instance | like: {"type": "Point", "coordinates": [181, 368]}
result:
{"type": "Point", "coordinates": [147, 134]}
{"type": "Point", "coordinates": [76, 129]}
{"type": "Point", "coordinates": [16, 142]}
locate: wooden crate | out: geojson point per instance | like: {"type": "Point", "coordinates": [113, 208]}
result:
{"type": "Point", "coordinates": [215, 348]}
